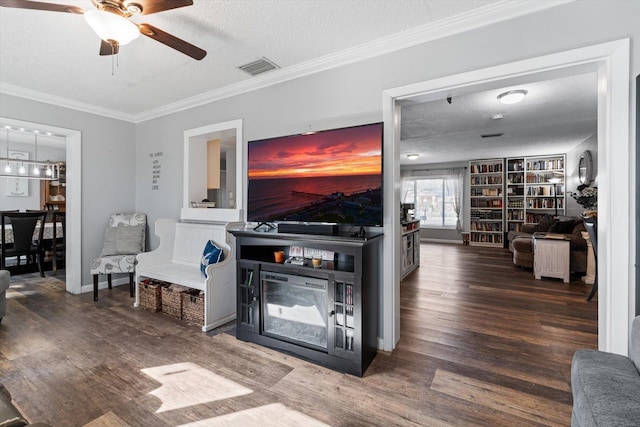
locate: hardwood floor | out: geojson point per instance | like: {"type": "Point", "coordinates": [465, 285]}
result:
{"type": "Point", "coordinates": [483, 343]}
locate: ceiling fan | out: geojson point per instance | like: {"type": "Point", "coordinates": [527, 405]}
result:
{"type": "Point", "coordinates": [110, 20]}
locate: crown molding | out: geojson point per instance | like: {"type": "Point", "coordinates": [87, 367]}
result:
{"type": "Point", "coordinates": [496, 12]}
{"type": "Point", "coordinates": [59, 101]}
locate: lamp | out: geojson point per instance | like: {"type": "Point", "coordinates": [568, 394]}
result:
{"type": "Point", "coordinates": [512, 96]}
{"type": "Point", "coordinates": [111, 26]}
{"type": "Point", "coordinates": [555, 180]}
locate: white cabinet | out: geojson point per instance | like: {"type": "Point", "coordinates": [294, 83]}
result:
{"type": "Point", "coordinates": [410, 247]}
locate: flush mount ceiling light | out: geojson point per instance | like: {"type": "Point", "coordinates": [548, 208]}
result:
{"type": "Point", "coordinates": [512, 96]}
{"type": "Point", "coordinates": [413, 156]}
{"type": "Point", "coordinates": [110, 26]}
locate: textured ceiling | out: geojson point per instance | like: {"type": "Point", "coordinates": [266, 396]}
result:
{"type": "Point", "coordinates": [554, 117]}
{"type": "Point", "coordinates": [57, 53]}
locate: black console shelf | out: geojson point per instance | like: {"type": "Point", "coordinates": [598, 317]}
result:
{"type": "Point", "coordinates": [350, 299]}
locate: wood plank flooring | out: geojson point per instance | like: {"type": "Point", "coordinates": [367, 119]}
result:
{"type": "Point", "coordinates": [483, 343]}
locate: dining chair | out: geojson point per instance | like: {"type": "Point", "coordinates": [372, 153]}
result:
{"type": "Point", "coordinates": [23, 228]}
{"type": "Point", "coordinates": [591, 224]}
{"type": "Point", "coordinates": [54, 242]}
{"type": "Point", "coordinates": [124, 238]}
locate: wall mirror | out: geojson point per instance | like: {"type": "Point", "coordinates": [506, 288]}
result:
{"type": "Point", "coordinates": [213, 173]}
{"type": "Point", "coordinates": [585, 168]}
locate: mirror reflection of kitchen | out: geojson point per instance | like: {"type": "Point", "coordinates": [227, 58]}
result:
{"type": "Point", "coordinates": [221, 173]}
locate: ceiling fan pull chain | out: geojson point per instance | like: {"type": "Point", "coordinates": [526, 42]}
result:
{"type": "Point", "coordinates": [112, 66]}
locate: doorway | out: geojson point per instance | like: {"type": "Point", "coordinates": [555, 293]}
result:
{"type": "Point", "coordinates": [73, 239]}
{"type": "Point", "coordinates": [610, 61]}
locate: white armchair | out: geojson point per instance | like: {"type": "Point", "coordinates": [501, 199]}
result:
{"type": "Point", "coordinates": [124, 238]}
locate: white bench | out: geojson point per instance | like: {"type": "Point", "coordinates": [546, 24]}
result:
{"type": "Point", "coordinates": [177, 260]}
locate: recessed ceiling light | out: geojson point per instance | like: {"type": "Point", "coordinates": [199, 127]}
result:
{"type": "Point", "coordinates": [512, 96]}
{"type": "Point", "coordinates": [497, 117]}
{"type": "Point", "coordinates": [413, 156]}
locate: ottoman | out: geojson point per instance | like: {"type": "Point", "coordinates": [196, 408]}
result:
{"type": "Point", "coordinates": [523, 251]}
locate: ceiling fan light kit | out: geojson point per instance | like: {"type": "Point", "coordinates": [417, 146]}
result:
{"type": "Point", "coordinates": [110, 21]}
{"type": "Point", "coordinates": [111, 26]}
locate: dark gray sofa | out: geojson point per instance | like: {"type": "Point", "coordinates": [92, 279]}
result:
{"type": "Point", "coordinates": [4, 285]}
{"type": "Point", "coordinates": [606, 386]}
{"type": "Point", "coordinates": [10, 416]}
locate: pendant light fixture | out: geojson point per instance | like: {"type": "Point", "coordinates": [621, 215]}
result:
{"type": "Point", "coordinates": [7, 168]}
{"type": "Point", "coordinates": [25, 168]}
{"type": "Point", "coordinates": [36, 169]}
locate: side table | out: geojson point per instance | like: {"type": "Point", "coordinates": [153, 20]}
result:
{"type": "Point", "coordinates": [551, 256]}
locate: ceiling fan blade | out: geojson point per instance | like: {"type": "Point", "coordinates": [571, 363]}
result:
{"type": "Point", "coordinates": [172, 41]}
{"type": "Point", "coordinates": [52, 7]}
{"type": "Point", "coordinates": [107, 48]}
{"type": "Point", "coordinates": [154, 6]}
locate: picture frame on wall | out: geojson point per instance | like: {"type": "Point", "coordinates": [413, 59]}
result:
{"type": "Point", "coordinates": [18, 187]}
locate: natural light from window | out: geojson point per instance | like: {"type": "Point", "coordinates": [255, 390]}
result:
{"type": "Point", "coordinates": [433, 199]}
{"type": "Point", "coordinates": [273, 415]}
{"type": "Point", "coordinates": [187, 384]}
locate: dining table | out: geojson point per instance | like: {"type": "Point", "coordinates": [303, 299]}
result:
{"type": "Point", "coordinates": [47, 233]}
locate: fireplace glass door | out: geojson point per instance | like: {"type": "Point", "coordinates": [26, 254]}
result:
{"type": "Point", "coordinates": [294, 308]}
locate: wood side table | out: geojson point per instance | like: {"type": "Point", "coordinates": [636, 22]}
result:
{"type": "Point", "coordinates": [551, 256]}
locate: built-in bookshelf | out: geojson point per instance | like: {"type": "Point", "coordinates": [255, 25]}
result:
{"type": "Point", "coordinates": [544, 187]}
{"type": "Point", "coordinates": [515, 212]}
{"type": "Point", "coordinates": [486, 188]}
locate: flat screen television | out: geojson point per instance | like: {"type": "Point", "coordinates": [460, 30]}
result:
{"type": "Point", "coordinates": [330, 177]}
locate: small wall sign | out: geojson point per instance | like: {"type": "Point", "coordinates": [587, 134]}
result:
{"type": "Point", "coordinates": [156, 169]}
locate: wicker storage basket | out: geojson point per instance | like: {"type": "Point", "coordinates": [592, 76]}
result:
{"type": "Point", "coordinates": [172, 300]}
{"type": "Point", "coordinates": [193, 307]}
{"type": "Point", "coordinates": [151, 294]}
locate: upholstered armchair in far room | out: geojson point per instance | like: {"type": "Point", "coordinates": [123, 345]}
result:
{"type": "Point", "coordinates": [124, 238]}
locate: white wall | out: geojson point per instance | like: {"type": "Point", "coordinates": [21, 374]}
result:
{"type": "Point", "coordinates": [108, 164]}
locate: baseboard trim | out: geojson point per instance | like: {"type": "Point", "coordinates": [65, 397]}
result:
{"type": "Point", "coordinates": [104, 284]}
{"type": "Point", "coordinates": [430, 240]}
{"type": "Point", "coordinates": [219, 322]}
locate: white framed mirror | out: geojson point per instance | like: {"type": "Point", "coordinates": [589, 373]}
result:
{"type": "Point", "coordinates": [213, 173]}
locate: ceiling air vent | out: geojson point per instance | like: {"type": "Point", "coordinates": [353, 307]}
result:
{"type": "Point", "coordinates": [491, 135]}
{"type": "Point", "coordinates": [259, 66]}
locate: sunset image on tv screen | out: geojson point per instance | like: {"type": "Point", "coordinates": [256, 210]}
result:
{"type": "Point", "coordinates": [332, 176]}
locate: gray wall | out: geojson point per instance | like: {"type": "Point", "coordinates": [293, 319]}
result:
{"type": "Point", "coordinates": [108, 164]}
{"type": "Point", "coordinates": [351, 94]}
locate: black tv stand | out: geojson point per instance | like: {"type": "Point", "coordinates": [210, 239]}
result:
{"type": "Point", "coordinates": [269, 225]}
{"type": "Point", "coordinates": [350, 270]}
